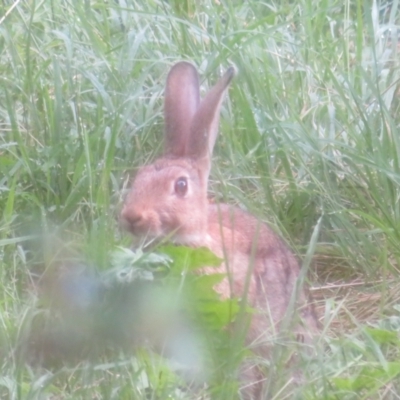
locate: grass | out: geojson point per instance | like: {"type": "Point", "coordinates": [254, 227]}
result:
{"type": "Point", "coordinates": [308, 133]}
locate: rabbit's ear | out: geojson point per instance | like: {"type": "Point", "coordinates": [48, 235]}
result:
{"type": "Point", "coordinates": [182, 98]}
{"type": "Point", "coordinates": [204, 127]}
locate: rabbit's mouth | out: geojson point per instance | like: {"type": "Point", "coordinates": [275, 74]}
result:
{"type": "Point", "coordinates": [140, 223]}
{"type": "Point", "coordinates": [137, 230]}
{"type": "Point", "coordinates": [155, 225]}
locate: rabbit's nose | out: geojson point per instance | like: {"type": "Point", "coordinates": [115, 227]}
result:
{"type": "Point", "coordinates": [131, 218]}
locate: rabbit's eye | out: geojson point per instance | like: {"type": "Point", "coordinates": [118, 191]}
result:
{"type": "Point", "coordinates": [181, 186]}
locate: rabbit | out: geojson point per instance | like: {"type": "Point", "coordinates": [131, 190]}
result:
{"type": "Point", "coordinates": [168, 199]}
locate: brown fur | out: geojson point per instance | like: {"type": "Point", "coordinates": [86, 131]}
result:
{"type": "Point", "coordinates": [258, 264]}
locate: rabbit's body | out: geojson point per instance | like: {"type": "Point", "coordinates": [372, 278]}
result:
{"type": "Point", "coordinates": [234, 235]}
{"type": "Point", "coordinates": [259, 267]}
{"type": "Point", "coordinates": [169, 199]}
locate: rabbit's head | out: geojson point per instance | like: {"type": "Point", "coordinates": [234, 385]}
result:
{"type": "Point", "coordinates": [169, 197]}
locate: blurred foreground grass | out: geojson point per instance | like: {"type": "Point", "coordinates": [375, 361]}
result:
{"type": "Point", "coordinates": [309, 132]}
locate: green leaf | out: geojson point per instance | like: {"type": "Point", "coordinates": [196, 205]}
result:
{"type": "Point", "coordinates": [370, 377]}
{"type": "Point", "coordinates": [382, 336]}
{"type": "Point", "coordinates": [189, 259]}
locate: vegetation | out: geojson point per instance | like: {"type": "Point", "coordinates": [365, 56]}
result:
{"type": "Point", "coordinates": [308, 142]}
